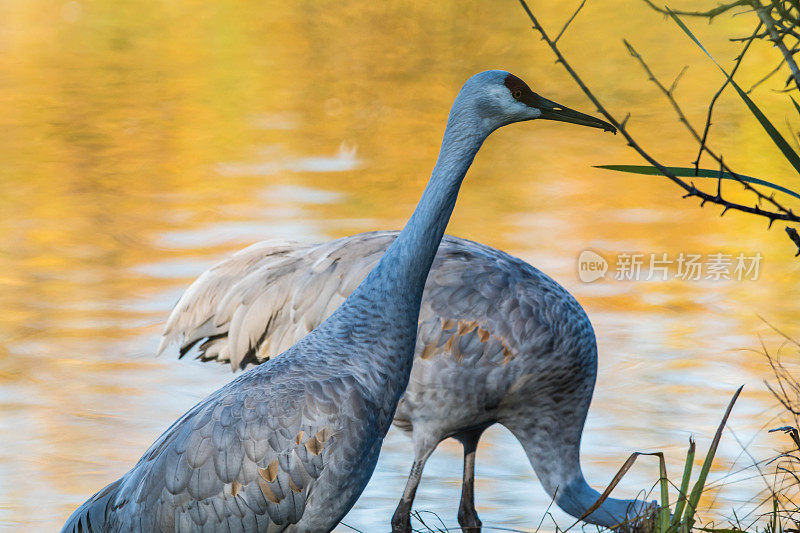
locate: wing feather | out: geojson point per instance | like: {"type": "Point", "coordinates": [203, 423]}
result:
{"type": "Point", "coordinates": [193, 315]}
{"type": "Point", "coordinates": [263, 299]}
{"type": "Point", "coordinates": [267, 297]}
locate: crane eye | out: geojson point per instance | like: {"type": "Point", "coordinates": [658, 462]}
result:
{"type": "Point", "coordinates": [517, 94]}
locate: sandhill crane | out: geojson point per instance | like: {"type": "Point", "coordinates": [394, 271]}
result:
{"type": "Point", "coordinates": [291, 444]}
{"type": "Point", "coordinates": [498, 342]}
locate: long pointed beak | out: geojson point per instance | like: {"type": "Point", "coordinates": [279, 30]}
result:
{"type": "Point", "coordinates": [553, 111]}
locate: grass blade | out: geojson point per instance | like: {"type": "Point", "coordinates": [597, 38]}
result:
{"type": "Point", "coordinates": [684, 490]}
{"type": "Point", "coordinates": [663, 513]}
{"type": "Point", "coordinates": [775, 526]}
{"type": "Point", "coordinates": [697, 490]}
{"type": "Point", "coordinates": [689, 172]}
{"type": "Point", "coordinates": [614, 482]}
{"type": "Point", "coordinates": [776, 137]}
{"type": "Point", "coordinates": [618, 477]}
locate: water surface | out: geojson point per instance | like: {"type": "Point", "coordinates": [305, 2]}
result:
{"type": "Point", "coordinates": [141, 142]}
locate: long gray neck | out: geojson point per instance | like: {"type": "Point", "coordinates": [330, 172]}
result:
{"type": "Point", "coordinates": [556, 460]}
{"type": "Point", "coordinates": [378, 321]}
{"type": "Point", "coordinates": [404, 267]}
{"type": "Point", "coordinates": [397, 281]}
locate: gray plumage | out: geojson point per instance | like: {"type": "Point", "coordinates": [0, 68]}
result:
{"type": "Point", "coordinates": [290, 444]}
{"type": "Point", "coordinates": [498, 341]}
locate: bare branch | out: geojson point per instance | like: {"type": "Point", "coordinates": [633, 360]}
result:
{"type": "Point", "coordinates": [766, 17]}
{"type": "Point", "coordinates": [767, 76]}
{"type": "Point", "coordinates": [795, 238]}
{"type": "Point", "coordinates": [677, 79]}
{"type": "Point", "coordinates": [710, 14]}
{"type": "Point", "coordinates": [685, 121]}
{"type": "Point", "coordinates": [779, 18]}
{"type": "Point", "coordinates": [689, 189]}
{"type": "Point", "coordinates": [569, 21]}
{"type": "Point", "coordinates": [707, 127]}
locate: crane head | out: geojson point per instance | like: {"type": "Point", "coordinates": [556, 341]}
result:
{"type": "Point", "coordinates": [500, 98]}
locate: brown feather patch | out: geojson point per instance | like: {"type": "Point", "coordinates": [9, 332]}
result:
{"type": "Point", "coordinates": [270, 472]}
{"type": "Point", "coordinates": [427, 351]}
{"type": "Point", "coordinates": [314, 446]}
{"type": "Point", "coordinates": [316, 443]}
{"type": "Point", "coordinates": [323, 435]}
{"type": "Point", "coordinates": [508, 355]}
{"type": "Point", "coordinates": [466, 327]}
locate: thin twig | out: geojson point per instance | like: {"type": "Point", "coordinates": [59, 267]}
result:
{"type": "Point", "coordinates": [685, 121]}
{"type": "Point", "coordinates": [776, 29]}
{"type": "Point", "coordinates": [795, 238]}
{"type": "Point", "coordinates": [707, 127]}
{"type": "Point", "coordinates": [710, 14]}
{"type": "Point", "coordinates": [569, 21]}
{"type": "Point", "coordinates": [765, 16]}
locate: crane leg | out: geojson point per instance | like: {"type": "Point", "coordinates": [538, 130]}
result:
{"type": "Point", "coordinates": [467, 515]}
{"type": "Point", "coordinates": [401, 520]}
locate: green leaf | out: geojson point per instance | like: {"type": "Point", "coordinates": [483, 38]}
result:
{"type": "Point", "coordinates": [689, 172]}
{"type": "Point", "coordinates": [776, 137]}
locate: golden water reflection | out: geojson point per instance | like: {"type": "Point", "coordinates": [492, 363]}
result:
{"type": "Point", "coordinates": [140, 142]}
